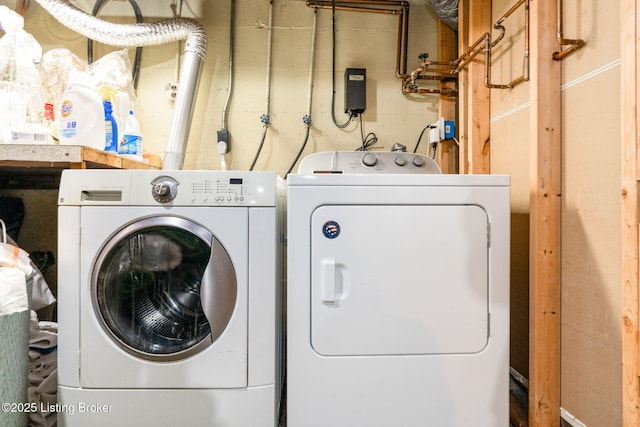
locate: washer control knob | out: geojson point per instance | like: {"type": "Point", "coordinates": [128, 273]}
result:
{"type": "Point", "coordinates": [164, 189]}
{"type": "Point", "coordinates": [418, 161]}
{"type": "Point", "coordinates": [400, 161]}
{"type": "Point", "coordinates": [369, 160]}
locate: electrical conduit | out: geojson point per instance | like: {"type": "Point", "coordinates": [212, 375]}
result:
{"type": "Point", "coordinates": [223, 134]}
{"type": "Point", "coordinates": [265, 119]}
{"type": "Point", "coordinates": [307, 118]}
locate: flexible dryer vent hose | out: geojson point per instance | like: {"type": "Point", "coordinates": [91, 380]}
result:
{"type": "Point", "coordinates": [149, 34]}
{"type": "Point", "coordinates": [447, 11]}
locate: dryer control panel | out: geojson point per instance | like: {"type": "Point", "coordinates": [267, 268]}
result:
{"type": "Point", "coordinates": [368, 162]}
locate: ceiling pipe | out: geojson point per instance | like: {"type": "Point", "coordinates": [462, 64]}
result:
{"type": "Point", "coordinates": [389, 7]}
{"type": "Point", "coordinates": [483, 44]}
{"type": "Point", "coordinates": [392, 7]}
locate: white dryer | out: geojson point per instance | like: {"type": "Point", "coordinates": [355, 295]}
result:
{"type": "Point", "coordinates": [398, 294]}
{"type": "Point", "coordinates": [169, 291]}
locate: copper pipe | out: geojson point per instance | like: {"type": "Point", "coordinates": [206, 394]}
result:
{"type": "Point", "coordinates": [472, 52]}
{"type": "Point", "coordinates": [574, 44]}
{"type": "Point", "coordinates": [405, 37]}
{"type": "Point", "coordinates": [389, 3]}
{"type": "Point", "coordinates": [421, 91]}
{"type": "Point", "coordinates": [22, 6]}
{"type": "Point", "coordinates": [525, 61]}
{"type": "Point", "coordinates": [484, 43]}
{"type": "Point", "coordinates": [409, 85]}
{"type": "Point", "coordinates": [427, 64]}
{"type": "Point", "coordinates": [318, 5]}
{"type": "Point", "coordinates": [498, 25]}
{"type": "Point", "coordinates": [400, 49]}
{"type": "Point", "coordinates": [403, 21]}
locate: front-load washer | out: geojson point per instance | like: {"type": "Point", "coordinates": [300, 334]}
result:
{"type": "Point", "coordinates": [169, 291]}
{"type": "Point", "coordinates": [397, 294]}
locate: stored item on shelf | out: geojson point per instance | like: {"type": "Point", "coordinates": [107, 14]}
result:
{"type": "Point", "coordinates": [131, 142]}
{"type": "Point", "coordinates": [81, 115]}
{"type": "Point", "coordinates": [20, 88]}
{"type": "Point", "coordinates": [54, 70]}
{"type": "Point", "coordinates": [110, 128]}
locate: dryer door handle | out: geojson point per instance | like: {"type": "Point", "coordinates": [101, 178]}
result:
{"type": "Point", "coordinates": [329, 281]}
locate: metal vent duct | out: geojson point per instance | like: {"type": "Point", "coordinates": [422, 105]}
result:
{"type": "Point", "coordinates": [148, 34]}
{"type": "Point", "coordinates": [446, 10]}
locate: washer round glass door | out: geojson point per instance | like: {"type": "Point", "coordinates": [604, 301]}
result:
{"type": "Point", "coordinates": [164, 288]}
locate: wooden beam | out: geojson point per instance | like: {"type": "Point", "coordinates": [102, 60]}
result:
{"type": "Point", "coordinates": [463, 88]}
{"type": "Point", "coordinates": [478, 119]}
{"type": "Point", "coordinates": [447, 105]}
{"type": "Point", "coordinates": [629, 196]}
{"type": "Point", "coordinates": [545, 218]}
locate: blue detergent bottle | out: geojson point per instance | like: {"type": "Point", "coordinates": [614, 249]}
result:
{"type": "Point", "coordinates": [110, 128]}
{"type": "Point", "coordinates": [131, 142]}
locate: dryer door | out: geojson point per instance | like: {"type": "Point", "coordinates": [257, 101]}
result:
{"type": "Point", "coordinates": [397, 280]}
{"type": "Point", "coordinates": [164, 288]}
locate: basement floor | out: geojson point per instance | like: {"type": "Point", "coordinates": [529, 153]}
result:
{"type": "Point", "coordinates": [518, 403]}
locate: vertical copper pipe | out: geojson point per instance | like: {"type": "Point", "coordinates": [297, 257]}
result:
{"type": "Point", "coordinates": [391, 7]}
{"type": "Point", "coordinates": [525, 61]}
{"type": "Point", "coordinates": [574, 44]}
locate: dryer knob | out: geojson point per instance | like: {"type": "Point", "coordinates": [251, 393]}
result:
{"type": "Point", "coordinates": [418, 161]}
{"type": "Point", "coordinates": [369, 160]}
{"type": "Point", "coordinates": [400, 161]}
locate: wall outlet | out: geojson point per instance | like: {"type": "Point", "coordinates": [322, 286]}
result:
{"type": "Point", "coordinates": [171, 90]}
{"type": "Point", "coordinates": [440, 126]}
{"type": "Point", "coordinates": [436, 133]}
{"type": "Point", "coordinates": [449, 129]}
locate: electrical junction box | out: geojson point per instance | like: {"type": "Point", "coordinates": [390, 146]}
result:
{"type": "Point", "coordinates": [355, 90]}
{"type": "Point", "coordinates": [449, 129]}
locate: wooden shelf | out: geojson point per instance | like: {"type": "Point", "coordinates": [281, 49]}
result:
{"type": "Point", "coordinates": [40, 166]}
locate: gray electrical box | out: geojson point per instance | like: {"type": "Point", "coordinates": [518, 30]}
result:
{"type": "Point", "coordinates": [355, 90]}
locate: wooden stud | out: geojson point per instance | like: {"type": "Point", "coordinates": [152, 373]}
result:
{"type": "Point", "coordinates": [478, 123]}
{"type": "Point", "coordinates": [629, 195]}
{"type": "Point", "coordinates": [463, 85]}
{"type": "Point", "coordinates": [545, 219]}
{"type": "Point", "coordinates": [447, 105]}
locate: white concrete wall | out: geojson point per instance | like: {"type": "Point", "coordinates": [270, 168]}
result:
{"type": "Point", "coordinates": [364, 40]}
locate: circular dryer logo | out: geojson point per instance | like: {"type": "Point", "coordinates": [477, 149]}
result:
{"type": "Point", "coordinates": [331, 229]}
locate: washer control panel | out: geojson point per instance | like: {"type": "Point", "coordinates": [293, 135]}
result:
{"type": "Point", "coordinates": [106, 187]}
{"type": "Point", "coordinates": [368, 162]}
{"type": "Point", "coordinates": [213, 188]}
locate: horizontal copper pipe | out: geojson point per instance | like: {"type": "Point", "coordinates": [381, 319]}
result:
{"type": "Point", "coordinates": [574, 44]}
{"type": "Point", "coordinates": [391, 7]}
{"type": "Point", "coordinates": [422, 91]}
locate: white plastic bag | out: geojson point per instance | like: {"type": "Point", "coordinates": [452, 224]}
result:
{"type": "Point", "coordinates": [15, 267]}
{"type": "Point", "coordinates": [20, 88]}
{"type": "Point", "coordinates": [41, 295]}
{"type": "Point", "coordinates": [113, 71]}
